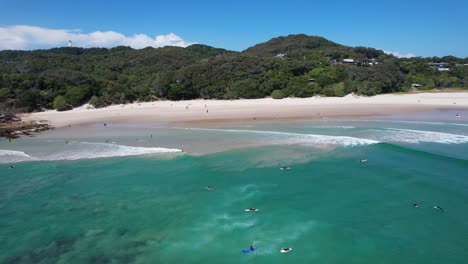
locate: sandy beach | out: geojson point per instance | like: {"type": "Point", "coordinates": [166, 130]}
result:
{"type": "Point", "coordinates": [350, 106]}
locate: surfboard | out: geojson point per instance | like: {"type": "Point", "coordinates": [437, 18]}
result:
{"type": "Point", "coordinates": [248, 250]}
{"type": "Point", "coordinates": [286, 250]}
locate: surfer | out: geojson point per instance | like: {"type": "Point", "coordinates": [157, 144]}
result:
{"type": "Point", "coordinates": [439, 208]}
{"type": "Point", "coordinates": [415, 205]}
{"type": "Point", "coordinates": [457, 115]}
{"type": "Point", "coordinates": [251, 247]}
{"type": "Point", "coordinates": [12, 167]}
{"type": "Point", "coordinates": [285, 168]}
{"type": "Point", "coordinates": [105, 124]}
{"type": "Point", "coordinates": [209, 188]}
{"type": "Point", "coordinates": [362, 160]}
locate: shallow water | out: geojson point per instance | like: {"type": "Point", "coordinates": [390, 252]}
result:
{"type": "Point", "coordinates": [61, 203]}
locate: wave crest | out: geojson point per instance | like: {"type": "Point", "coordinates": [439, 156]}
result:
{"type": "Point", "coordinates": [8, 156]}
{"type": "Point", "coordinates": [418, 136]}
{"type": "Point", "coordinates": [86, 150]}
{"type": "Point", "coordinates": [297, 138]}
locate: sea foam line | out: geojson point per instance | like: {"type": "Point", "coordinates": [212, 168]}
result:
{"type": "Point", "coordinates": [104, 150]}
{"type": "Point", "coordinates": [91, 151]}
{"type": "Point", "coordinates": [408, 122]}
{"type": "Point", "coordinates": [8, 156]}
{"type": "Point", "coordinates": [417, 136]}
{"type": "Point", "coordinates": [301, 138]}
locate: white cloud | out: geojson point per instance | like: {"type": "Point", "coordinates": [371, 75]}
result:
{"type": "Point", "coordinates": [30, 37]}
{"type": "Point", "coordinates": [399, 55]}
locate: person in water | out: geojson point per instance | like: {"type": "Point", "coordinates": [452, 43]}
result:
{"type": "Point", "coordinates": [251, 248]}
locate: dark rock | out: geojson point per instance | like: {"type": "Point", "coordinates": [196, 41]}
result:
{"type": "Point", "coordinates": [18, 128]}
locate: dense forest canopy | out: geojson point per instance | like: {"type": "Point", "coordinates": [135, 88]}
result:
{"type": "Point", "coordinates": [295, 65]}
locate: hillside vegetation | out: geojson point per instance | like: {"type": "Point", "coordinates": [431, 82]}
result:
{"type": "Point", "coordinates": [295, 65]}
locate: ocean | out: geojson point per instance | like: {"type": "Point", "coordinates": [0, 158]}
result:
{"type": "Point", "coordinates": [137, 193]}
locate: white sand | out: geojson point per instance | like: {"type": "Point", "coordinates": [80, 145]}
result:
{"type": "Point", "coordinates": [223, 110]}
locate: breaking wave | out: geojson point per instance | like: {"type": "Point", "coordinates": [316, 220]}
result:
{"type": "Point", "coordinates": [86, 150]}
{"type": "Point", "coordinates": [297, 138]}
{"type": "Point", "coordinates": [7, 156]}
{"type": "Point", "coordinates": [418, 136]}
{"type": "Point", "coordinates": [104, 150]}
{"type": "Point", "coordinates": [410, 122]}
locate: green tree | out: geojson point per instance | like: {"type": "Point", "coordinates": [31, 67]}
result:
{"type": "Point", "coordinates": [61, 104]}
{"type": "Point", "coordinates": [277, 94]}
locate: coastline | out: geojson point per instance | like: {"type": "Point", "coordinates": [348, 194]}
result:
{"type": "Point", "coordinates": [208, 111]}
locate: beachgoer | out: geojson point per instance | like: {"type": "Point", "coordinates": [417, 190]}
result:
{"type": "Point", "coordinates": [105, 124]}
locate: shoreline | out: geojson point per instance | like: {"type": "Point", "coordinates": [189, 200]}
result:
{"type": "Point", "coordinates": [217, 111]}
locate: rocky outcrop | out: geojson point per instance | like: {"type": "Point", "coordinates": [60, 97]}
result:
{"type": "Point", "coordinates": [11, 126]}
{"type": "Point", "coordinates": [6, 117]}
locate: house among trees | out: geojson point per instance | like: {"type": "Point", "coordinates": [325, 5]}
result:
{"type": "Point", "coordinates": [440, 66]}
{"type": "Point", "coordinates": [280, 55]}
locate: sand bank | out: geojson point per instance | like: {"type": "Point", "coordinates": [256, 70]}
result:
{"type": "Point", "coordinates": [225, 110]}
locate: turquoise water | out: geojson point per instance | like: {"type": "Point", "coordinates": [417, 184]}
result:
{"type": "Point", "coordinates": [62, 205]}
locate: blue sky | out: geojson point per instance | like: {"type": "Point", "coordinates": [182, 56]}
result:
{"type": "Point", "coordinates": [423, 28]}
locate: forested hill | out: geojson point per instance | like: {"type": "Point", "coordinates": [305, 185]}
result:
{"type": "Point", "coordinates": [295, 65]}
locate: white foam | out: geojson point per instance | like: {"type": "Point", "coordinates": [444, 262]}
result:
{"type": "Point", "coordinates": [297, 138]}
{"type": "Point", "coordinates": [409, 122]}
{"type": "Point", "coordinates": [342, 127]}
{"type": "Point", "coordinates": [7, 156]}
{"type": "Point", "coordinates": [104, 150]}
{"type": "Point", "coordinates": [418, 136]}
{"type": "Point", "coordinates": [85, 150]}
